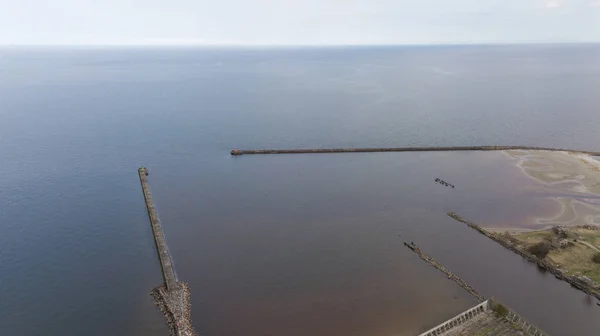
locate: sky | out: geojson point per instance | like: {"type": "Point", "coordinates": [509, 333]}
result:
{"type": "Point", "coordinates": [296, 22]}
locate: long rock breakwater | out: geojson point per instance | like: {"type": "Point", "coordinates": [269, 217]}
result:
{"type": "Point", "coordinates": [173, 297]}
{"type": "Point", "coordinates": [405, 149]}
{"type": "Point", "coordinates": [159, 237]}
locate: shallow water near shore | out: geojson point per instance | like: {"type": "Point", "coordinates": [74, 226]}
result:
{"type": "Point", "coordinates": [286, 245]}
{"type": "Point", "coordinates": [571, 180]}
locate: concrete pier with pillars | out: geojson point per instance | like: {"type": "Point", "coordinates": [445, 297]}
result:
{"type": "Point", "coordinates": [488, 318]}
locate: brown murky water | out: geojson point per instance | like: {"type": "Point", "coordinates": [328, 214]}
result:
{"type": "Point", "coordinates": [286, 245]}
{"type": "Point", "coordinates": [312, 244]}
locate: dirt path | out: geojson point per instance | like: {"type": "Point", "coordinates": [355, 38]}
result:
{"type": "Point", "coordinates": [589, 245]}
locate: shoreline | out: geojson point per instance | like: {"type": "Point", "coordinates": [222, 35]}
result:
{"type": "Point", "coordinates": [570, 179]}
{"type": "Point", "coordinates": [516, 230]}
{"type": "Point", "coordinates": [542, 264]}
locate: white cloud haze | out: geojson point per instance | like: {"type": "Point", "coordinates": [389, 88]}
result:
{"type": "Point", "coordinates": [297, 22]}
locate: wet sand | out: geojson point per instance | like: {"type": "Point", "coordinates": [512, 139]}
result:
{"type": "Point", "coordinates": [570, 180]}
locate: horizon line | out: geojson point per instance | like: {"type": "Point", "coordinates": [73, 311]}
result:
{"type": "Point", "coordinates": [334, 45]}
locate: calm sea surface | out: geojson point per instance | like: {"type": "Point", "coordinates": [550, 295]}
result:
{"type": "Point", "coordinates": [279, 245]}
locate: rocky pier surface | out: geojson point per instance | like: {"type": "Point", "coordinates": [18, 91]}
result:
{"type": "Point", "coordinates": [431, 261]}
{"type": "Point", "coordinates": [175, 304]}
{"type": "Point", "coordinates": [173, 297]}
{"type": "Point", "coordinates": [404, 149]}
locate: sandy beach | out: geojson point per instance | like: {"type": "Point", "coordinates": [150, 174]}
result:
{"type": "Point", "coordinates": [573, 180]}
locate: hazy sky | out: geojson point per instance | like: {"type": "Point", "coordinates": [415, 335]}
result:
{"type": "Point", "coordinates": [293, 22]}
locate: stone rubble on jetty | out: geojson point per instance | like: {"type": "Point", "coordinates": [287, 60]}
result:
{"type": "Point", "coordinates": [175, 304]}
{"type": "Point", "coordinates": [405, 149]}
{"type": "Point", "coordinates": [431, 261]}
{"type": "Point", "coordinates": [173, 297]}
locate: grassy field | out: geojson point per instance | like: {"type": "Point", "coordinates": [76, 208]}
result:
{"type": "Point", "coordinates": [576, 258]}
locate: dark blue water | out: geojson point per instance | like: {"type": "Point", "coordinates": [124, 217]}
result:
{"type": "Point", "coordinates": [274, 245]}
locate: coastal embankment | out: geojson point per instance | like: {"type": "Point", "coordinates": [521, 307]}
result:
{"type": "Point", "coordinates": [542, 264]}
{"type": "Point", "coordinates": [405, 149]}
{"type": "Point", "coordinates": [173, 297]}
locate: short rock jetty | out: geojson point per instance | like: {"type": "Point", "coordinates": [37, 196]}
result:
{"type": "Point", "coordinates": [431, 261]}
{"type": "Point", "coordinates": [405, 149]}
{"type": "Point", "coordinates": [173, 297]}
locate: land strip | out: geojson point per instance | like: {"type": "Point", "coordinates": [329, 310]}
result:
{"type": "Point", "coordinates": [404, 149]}
{"type": "Point", "coordinates": [510, 242]}
{"type": "Point", "coordinates": [173, 297]}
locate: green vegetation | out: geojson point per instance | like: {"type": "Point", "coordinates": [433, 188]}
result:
{"type": "Point", "coordinates": [573, 250]}
{"type": "Point", "coordinates": [559, 233]}
{"type": "Point", "coordinates": [540, 249]}
{"type": "Point", "coordinates": [510, 238]}
{"type": "Point", "coordinates": [500, 309]}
